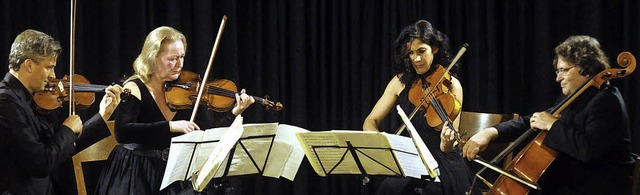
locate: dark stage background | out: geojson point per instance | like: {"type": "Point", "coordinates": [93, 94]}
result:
{"type": "Point", "coordinates": [329, 61]}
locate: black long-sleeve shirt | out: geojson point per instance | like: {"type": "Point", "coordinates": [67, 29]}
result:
{"type": "Point", "coordinates": [592, 138]}
{"type": "Point", "coordinates": [32, 146]}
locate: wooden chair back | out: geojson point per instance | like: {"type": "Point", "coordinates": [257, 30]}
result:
{"type": "Point", "coordinates": [96, 152]}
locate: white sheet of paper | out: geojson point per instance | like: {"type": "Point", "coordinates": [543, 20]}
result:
{"type": "Point", "coordinates": [287, 134]}
{"type": "Point", "coordinates": [176, 170]}
{"type": "Point", "coordinates": [425, 154]}
{"type": "Point", "coordinates": [407, 155]}
{"type": "Point", "coordinates": [284, 159]}
{"type": "Point", "coordinates": [331, 154]}
{"type": "Point", "coordinates": [277, 159]}
{"type": "Point", "coordinates": [257, 140]}
{"type": "Point", "coordinates": [218, 155]}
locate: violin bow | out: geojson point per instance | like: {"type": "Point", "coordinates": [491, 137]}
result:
{"type": "Point", "coordinates": [206, 73]}
{"type": "Point", "coordinates": [628, 63]}
{"type": "Point", "coordinates": [72, 32]}
{"type": "Point", "coordinates": [454, 61]}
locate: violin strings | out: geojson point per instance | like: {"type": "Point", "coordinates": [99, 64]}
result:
{"type": "Point", "coordinates": [228, 93]}
{"type": "Point", "coordinates": [441, 113]}
{"type": "Point", "coordinates": [220, 91]}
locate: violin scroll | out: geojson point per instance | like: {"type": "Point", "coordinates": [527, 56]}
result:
{"type": "Point", "coordinates": [269, 105]}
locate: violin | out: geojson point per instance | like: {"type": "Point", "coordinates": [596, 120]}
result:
{"type": "Point", "coordinates": [219, 95]}
{"type": "Point", "coordinates": [56, 93]}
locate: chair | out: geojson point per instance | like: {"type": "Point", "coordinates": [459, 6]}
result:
{"type": "Point", "coordinates": [635, 177]}
{"type": "Point", "coordinates": [96, 152]}
{"type": "Point", "coordinates": [474, 122]}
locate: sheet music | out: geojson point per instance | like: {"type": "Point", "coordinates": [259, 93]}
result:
{"type": "Point", "coordinates": [190, 152]}
{"type": "Point", "coordinates": [311, 138]}
{"type": "Point", "coordinates": [407, 155]}
{"type": "Point", "coordinates": [427, 157]}
{"type": "Point", "coordinates": [280, 153]}
{"type": "Point", "coordinates": [187, 146]}
{"type": "Point", "coordinates": [372, 149]}
{"type": "Point", "coordinates": [287, 134]}
{"type": "Point", "coordinates": [218, 155]}
{"type": "Point", "coordinates": [256, 139]}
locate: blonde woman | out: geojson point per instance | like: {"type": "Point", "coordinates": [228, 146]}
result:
{"type": "Point", "coordinates": [145, 124]}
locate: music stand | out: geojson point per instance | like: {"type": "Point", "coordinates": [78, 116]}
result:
{"type": "Point", "coordinates": [220, 183]}
{"type": "Point", "coordinates": [220, 153]}
{"type": "Point", "coordinates": [354, 151]}
{"type": "Point", "coordinates": [363, 153]}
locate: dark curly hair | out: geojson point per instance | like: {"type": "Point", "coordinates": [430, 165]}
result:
{"type": "Point", "coordinates": [583, 51]}
{"type": "Point", "coordinates": [423, 31]}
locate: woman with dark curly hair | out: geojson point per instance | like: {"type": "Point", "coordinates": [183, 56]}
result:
{"type": "Point", "coordinates": [420, 50]}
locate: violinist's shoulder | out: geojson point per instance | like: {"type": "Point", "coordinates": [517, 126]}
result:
{"type": "Point", "coordinates": [395, 86]}
{"type": "Point", "coordinates": [397, 76]}
{"type": "Point", "coordinates": [396, 79]}
{"type": "Point", "coordinates": [456, 83]}
{"type": "Point", "coordinates": [135, 90]}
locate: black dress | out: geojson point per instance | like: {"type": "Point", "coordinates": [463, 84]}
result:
{"type": "Point", "coordinates": [136, 166]}
{"type": "Point", "coordinates": [455, 174]}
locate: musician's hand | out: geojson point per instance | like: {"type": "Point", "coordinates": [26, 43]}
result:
{"type": "Point", "coordinates": [74, 123]}
{"type": "Point", "coordinates": [243, 101]}
{"type": "Point", "coordinates": [182, 126]}
{"type": "Point", "coordinates": [448, 138]}
{"type": "Point", "coordinates": [478, 142]}
{"type": "Point", "coordinates": [110, 101]}
{"type": "Point", "coordinates": [542, 121]}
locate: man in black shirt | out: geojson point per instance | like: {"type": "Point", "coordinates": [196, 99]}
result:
{"type": "Point", "coordinates": [32, 146]}
{"type": "Point", "coordinates": [591, 135]}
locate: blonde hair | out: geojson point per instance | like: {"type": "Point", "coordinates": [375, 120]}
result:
{"type": "Point", "coordinates": [34, 45]}
{"type": "Point", "coordinates": [145, 63]}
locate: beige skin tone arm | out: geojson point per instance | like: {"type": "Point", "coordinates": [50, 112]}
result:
{"type": "Point", "coordinates": [388, 100]}
{"type": "Point", "coordinates": [479, 142]}
{"type": "Point", "coordinates": [384, 105]}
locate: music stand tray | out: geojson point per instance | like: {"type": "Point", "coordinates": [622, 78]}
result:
{"type": "Point", "coordinates": [254, 149]}
{"type": "Point", "coordinates": [362, 152]}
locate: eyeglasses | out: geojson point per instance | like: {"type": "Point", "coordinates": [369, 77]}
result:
{"type": "Point", "coordinates": [563, 71]}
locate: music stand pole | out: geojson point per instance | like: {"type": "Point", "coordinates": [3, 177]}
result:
{"type": "Point", "coordinates": [365, 176]}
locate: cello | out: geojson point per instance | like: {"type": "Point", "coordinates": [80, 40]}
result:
{"type": "Point", "coordinates": [532, 161]}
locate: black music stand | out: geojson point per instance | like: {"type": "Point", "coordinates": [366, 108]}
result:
{"type": "Point", "coordinates": [220, 184]}
{"type": "Point", "coordinates": [355, 151]}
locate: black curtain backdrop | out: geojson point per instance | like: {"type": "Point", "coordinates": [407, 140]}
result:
{"type": "Point", "coordinates": [329, 61]}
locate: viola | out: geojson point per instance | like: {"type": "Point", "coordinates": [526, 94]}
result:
{"type": "Point", "coordinates": [436, 99]}
{"type": "Point", "coordinates": [56, 93]}
{"type": "Point", "coordinates": [440, 105]}
{"type": "Point", "coordinates": [434, 96]}
{"type": "Point", "coordinates": [219, 95]}
{"type": "Point", "coordinates": [532, 161]}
